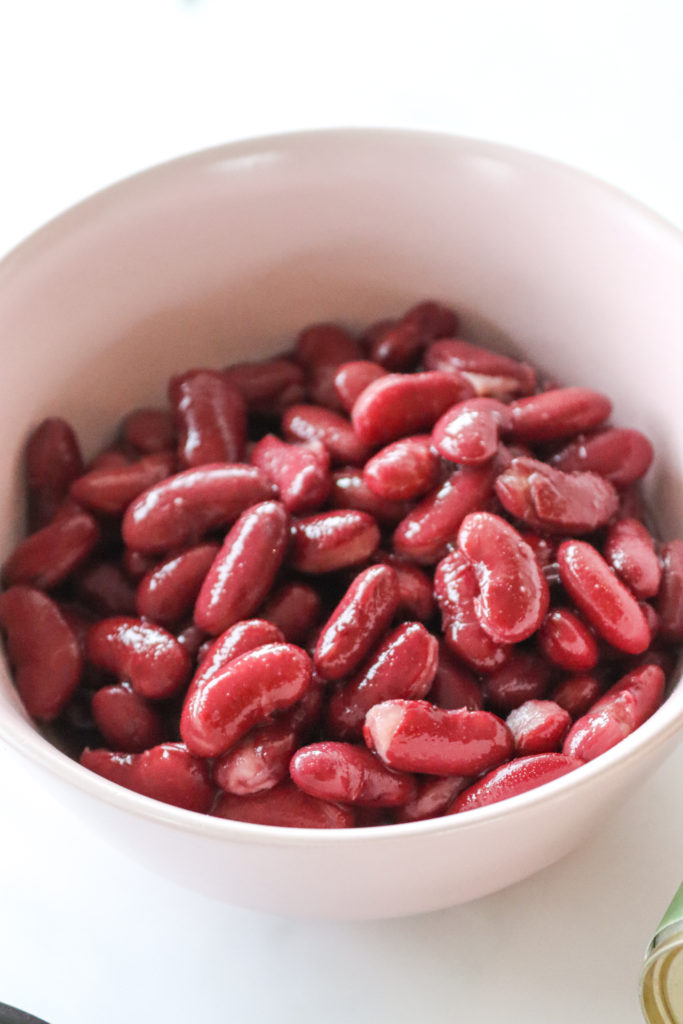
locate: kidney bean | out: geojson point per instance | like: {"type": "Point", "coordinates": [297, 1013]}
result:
{"type": "Point", "coordinates": [285, 806]}
{"type": "Point", "coordinates": [456, 589]}
{"type": "Point", "coordinates": [300, 472]}
{"type": "Point", "coordinates": [108, 490]}
{"type": "Point", "coordinates": [401, 404]}
{"type": "Point", "coordinates": [149, 430]}
{"type": "Point", "coordinates": [357, 623]}
{"type": "Point", "coordinates": [468, 433]}
{"type": "Point", "coordinates": [404, 665]}
{"type": "Point", "coordinates": [233, 699]}
{"type": "Point", "coordinates": [295, 609]}
{"type": "Point", "coordinates": [325, 343]}
{"type": "Point", "coordinates": [125, 719]}
{"type": "Point", "coordinates": [237, 640]}
{"type": "Point", "coordinates": [553, 415]}
{"type": "Point", "coordinates": [454, 685]}
{"type": "Point", "coordinates": [50, 555]}
{"type": "Point", "coordinates": [567, 641]}
{"type": "Point", "coordinates": [404, 470]}
{"type": "Point", "coordinates": [433, 319]}
{"type": "Point", "coordinates": [576, 694]}
{"type": "Point", "coordinates": [268, 386]}
{"type": "Point", "coordinates": [141, 653]}
{"type": "Point", "coordinates": [183, 508]}
{"type": "Point", "coordinates": [332, 540]}
{"type": "Point", "coordinates": [624, 707]}
{"type": "Point", "coordinates": [52, 460]}
{"type": "Point", "coordinates": [549, 499]}
{"type": "Point", "coordinates": [513, 594]}
{"type": "Point", "coordinates": [514, 778]}
{"type": "Point", "coordinates": [349, 774]}
{"type": "Point", "coordinates": [415, 736]}
{"type": "Point", "coordinates": [435, 794]}
{"type": "Point", "coordinates": [352, 378]}
{"type": "Point", "coordinates": [602, 598]}
{"type": "Point", "coordinates": [415, 596]}
{"type": "Point", "coordinates": [243, 571]}
{"type": "Point", "coordinates": [260, 760]}
{"type": "Point", "coordinates": [489, 373]}
{"type": "Point", "coordinates": [315, 423]}
{"type": "Point", "coordinates": [210, 416]}
{"type": "Point", "coordinates": [538, 726]}
{"type": "Point", "coordinates": [104, 587]}
{"type": "Point", "coordinates": [620, 456]}
{"type": "Point", "coordinates": [167, 593]}
{"type": "Point", "coordinates": [349, 490]}
{"type": "Point", "coordinates": [167, 772]}
{"type": "Point", "coordinates": [43, 651]}
{"type": "Point", "coordinates": [425, 533]}
{"type": "Point", "coordinates": [525, 676]}
{"type": "Point", "coordinates": [399, 346]}
{"type": "Point", "coordinates": [670, 599]}
{"type": "Point", "coordinates": [630, 550]}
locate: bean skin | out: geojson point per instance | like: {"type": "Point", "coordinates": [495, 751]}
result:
{"type": "Point", "coordinates": [514, 778]}
{"type": "Point", "coordinates": [350, 774]}
{"type": "Point", "coordinates": [285, 806]}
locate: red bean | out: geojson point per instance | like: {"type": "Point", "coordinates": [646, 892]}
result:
{"type": "Point", "coordinates": [630, 550]}
{"type": "Point", "coordinates": [538, 726]}
{"type": "Point", "coordinates": [357, 623]}
{"type": "Point", "coordinates": [670, 599]}
{"type": "Point", "coordinates": [576, 694]}
{"type": "Point", "coordinates": [104, 587]}
{"type": "Point", "coordinates": [286, 806]}
{"type": "Point", "coordinates": [315, 423]}
{"type": "Point", "coordinates": [350, 774]}
{"type": "Point", "coordinates": [352, 378]}
{"type": "Point", "coordinates": [524, 676]}
{"type": "Point", "coordinates": [602, 598]}
{"type": "Point", "coordinates": [435, 794]}
{"type": "Point", "coordinates": [108, 490]}
{"type": "Point", "coordinates": [399, 346]}
{"type": "Point", "coordinates": [624, 707]}
{"type": "Point", "coordinates": [210, 416]}
{"type": "Point", "coordinates": [261, 759]}
{"type": "Point", "coordinates": [549, 499]}
{"type": "Point", "coordinates": [237, 640]}
{"type": "Point", "coordinates": [125, 719]}
{"type": "Point", "coordinates": [183, 508]}
{"type": "Point", "coordinates": [43, 651]}
{"type": "Point", "coordinates": [513, 594]}
{"type": "Point", "coordinates": [426, 533]}
{"type": "Point", "coordinates": [349, 490]}
{"type": "Point", "coordinates": [145, 655]}
{"type": "Point", "coordinates": [404, 470]}
{"type": "Point", "coordinates": [415, 736]}
{"type": "Point", "coordinates": [332, 540]}
{"type": "Point", "coordinates": [167, 593]}
{"type": "Point", "coordinates": [456, 589]}
{"type": "Point", "coordinates": [621, 456]}
{"type": "Point", "coordinates": [433, 319]}
{"type": "Point", "coordinates": [295, 609]}
{"type": "Point", "coordinates": [325, 344]}
{"type": "Point", "coordinates": [300, 472]}
{"type": "Point", "coordinates": [166, 772]}
{"type": "Point", "coordinates": [243, 571]}
{"type": "Point", "coordinates": [556, 414]}
{"type": "Point", "coordinates": [268, 386]}
{"type": "Point", "coordinates": [401, 404]}
{"type": "Point", "coordinates": [50, 555]}
{"type": "Point", "coordinates": [488, 372]}
{"type": "Point", "coordinates": [52, 461]}
{"type": "Point", "coordinates": [454, 685]}
{"type": "Point", "coordinates": [149, 430]}
{"type": "Point", "coordinates": [415, 596]}
{"type": "Point", "coordinates": [519, 776]}
{"type": "Point", "coordinates": [404, 665]}
{"type": "Point", "coordinates": [468, 433]}
{"type": "Point", "coordinates": [567, 641]}
{"type": "Point", "coordinates": [232, 700]}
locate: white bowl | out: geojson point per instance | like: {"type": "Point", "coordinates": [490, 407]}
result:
{"type": "Point", "coordinates": [222, 256]}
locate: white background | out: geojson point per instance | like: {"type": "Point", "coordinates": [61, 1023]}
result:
{"type": "Point", "coordinates": [90, 92]}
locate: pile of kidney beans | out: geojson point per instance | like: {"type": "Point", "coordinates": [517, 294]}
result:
{"type": "Point", "coordinates": [378, 579]}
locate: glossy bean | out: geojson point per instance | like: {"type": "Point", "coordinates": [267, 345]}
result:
{"type": "Point", "coordinates": [468, 433]}
{"type": "Point", "coordinates": [108, 490]}
{"type": "Point", "coordinates": [167, 593]}
{"type": "Point", "coordinates": [630, 550]}
{"type": "Point", "coordinates": [619, 455]}
{"type": "Point", "coordinates": [567, 642]}
{"type": "Point", "coordinates": [349, 774]}
{"type": "Point", "coordinates": [349, 490]}
{"type": "Point", "coordinates": [126, 720]}
{"type": "Point", "coordinates": [52, 554]}
{"type": "Point", "coordinates": [149, 430]}
{"type": "Point", "coordinates": [670, 598]}
{"type": "Point", "coordinates": [514, 778]}
{"type": "Point", "coordinates": [167, 772]}
{"type": "Point", "coordinates": [490, 373]}
{"type": "Point", "coordinates": [332, 540]}
{"type": "Point", "coordinates": [268, 386]}
{"type": "Point", "coordinates": [350, 379]}
{"type": "Point", "coordinates": [139, 652]}
{"type": "Point", "coordinates": [316, 423]}
{"type": "Point", "coordinates": [538, 727]}
{"type": "Point", "coordinates": [52, 460]}
{"type": "Point", "coordinates": [456, 590]}
{"type": "Point", "coordinates": [285, 806]}
{"type": "Point", "coordinates": [210, 417]}
{"type": "Point", "coordinates": [300, 472]}
{"type": "Point", "coordinates": [402, 404]}
{"type": "Point", "coordinates": [562, 412]}
{"type": "Point", "coordinates": [404, 470]}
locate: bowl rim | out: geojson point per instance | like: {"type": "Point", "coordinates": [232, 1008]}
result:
{"type": "Point", "coordinates": [22, 736]}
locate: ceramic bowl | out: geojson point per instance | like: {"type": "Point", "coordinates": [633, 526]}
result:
{"type": "Point", "coordinates": [224, 255]}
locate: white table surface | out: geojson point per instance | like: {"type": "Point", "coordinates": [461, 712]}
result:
{"type": "Point", "coordinates": [92, 92]}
